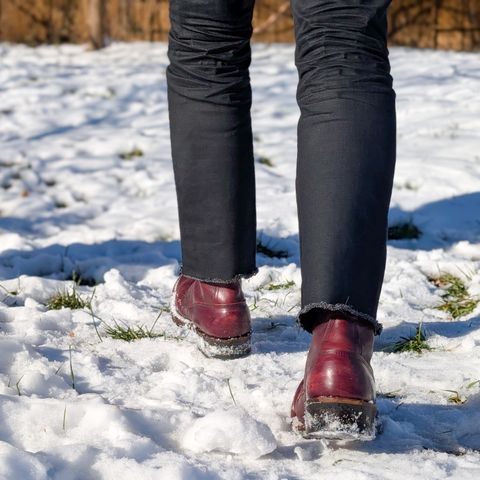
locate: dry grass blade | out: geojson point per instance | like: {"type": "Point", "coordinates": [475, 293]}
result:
{"type": "Point", "coordinates": [456, 299]}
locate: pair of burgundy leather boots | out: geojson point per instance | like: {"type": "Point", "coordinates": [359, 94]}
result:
{"type": "Point", "coordinates": [335, 399]}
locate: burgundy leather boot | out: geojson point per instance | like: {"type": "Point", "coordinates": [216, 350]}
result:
{"type": "Point", "coordinates": [216, 312]}
{"type": "Point", "coordinates": [336, 398]}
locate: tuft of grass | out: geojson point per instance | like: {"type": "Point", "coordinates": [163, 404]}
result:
{"type": "Point", "coordinates": [280, 286]}
{"type": "Point", "coordinates": [265, 161]}
{"type": "Point", "coordinates": [416, 343]}
{"type": "Point", "coordinates": [270, 252]}
{"type": "Point", "coordinates": [130, 155]}
{"type": "Point", "coordinates": [456, 397]}
{"type": "Point", "coordinates": [68, 299]}
{"type": "Point", "coordinates": [456, 299]}
{"type": "Point", "coordinates": [129, 334]}
{"type": "Point", "coordinates": [404, 231]}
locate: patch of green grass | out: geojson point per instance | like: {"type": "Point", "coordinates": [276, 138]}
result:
{"type": "Point", "coordinates": [130, 155]}
{"type": "Point", "coordinates": [269, 251]}
{"type": "Point", "coordinates": [456, 299]}
{"type": "Point", "coordinates": [280, 286]}
{"type": "Point", "coordinates": [128, 333]}
{"type": "Point", "coordinates": [68, 299]}
{"type": "Point", "coordinates": [265, 161]}
{"type": "Point", "coordinates": [416, 343]}
{"type": "Point", "coordinates": [404, 231]}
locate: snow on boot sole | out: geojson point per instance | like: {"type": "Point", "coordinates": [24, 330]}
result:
{"type": "Point", "coordinates": [339, 419]}
{"type": "Point", "coordinates": [213, 347]}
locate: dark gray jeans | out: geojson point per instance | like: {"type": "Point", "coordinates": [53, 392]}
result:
{"type": "Point", "coordinates": [346, 146]}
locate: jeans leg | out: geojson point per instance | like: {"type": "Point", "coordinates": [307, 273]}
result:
{"type": "Point", "coordinates": [209, 98]}
{"type": "Point", "coordinates": [346, 154]}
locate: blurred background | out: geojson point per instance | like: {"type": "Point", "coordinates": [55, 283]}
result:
{"type": "Point", "coordinates": [442, 24]}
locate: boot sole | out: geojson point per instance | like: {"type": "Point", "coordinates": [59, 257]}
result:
{"type": "Point", "coordinates": [338, 419]}
{"type": "Point", "coordinates": [213, 347]}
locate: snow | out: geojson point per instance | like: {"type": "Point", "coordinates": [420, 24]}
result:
{"type": "Point", "coordinates": [230, 431]}
{"type": "Point", "coordinates": [76, 404]}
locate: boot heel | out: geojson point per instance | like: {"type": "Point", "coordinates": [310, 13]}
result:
{"type": "Point", "coordinates": [224, 349]}
{"type": "Point", "coordinates": [341, 419]}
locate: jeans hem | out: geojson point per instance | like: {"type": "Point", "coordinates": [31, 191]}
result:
{"type": "Point", "coordinates": [340, 307]}
{"type": "Point", "coordinates": [203, 278]}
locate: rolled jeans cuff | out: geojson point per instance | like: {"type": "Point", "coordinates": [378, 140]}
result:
{"type": "Point", "coordinates": [205, 278]}
{"type": "Point", "coordinates": [347, 310]}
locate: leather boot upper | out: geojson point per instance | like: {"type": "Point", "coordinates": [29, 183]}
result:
{"type": "Point", "coordinates": [217, 309]}
{"type": "Point", "coordinates": [338, 363]}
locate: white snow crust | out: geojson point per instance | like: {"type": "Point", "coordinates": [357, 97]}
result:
{"type": "Point", "coordinates": [158, 408]}
{"type": "Point", "coordinates": [230, 431]}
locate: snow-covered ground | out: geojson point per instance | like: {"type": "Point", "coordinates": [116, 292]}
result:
{"type": "Point", "coordinates": [76, 404]}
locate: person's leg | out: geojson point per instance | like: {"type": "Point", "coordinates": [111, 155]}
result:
{"type": "Point", "coordinates": [345, 167]}
{"type": "Point", "coordinates": [346, 153]}
{"type": "Point", "coordinates": [209, 98]}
